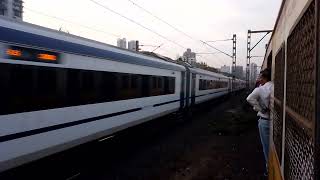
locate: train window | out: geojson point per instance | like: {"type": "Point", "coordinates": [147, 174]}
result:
{"type": "Point", "coordinates": [172, 84]}
{"type": "Point", "coordinates": [73, 86]}
{"type": "Point", "coordinates": [21, 88]}
{"type": "Point", "coordinates": [47, 79]}
{"type": "Point", "coordinates": [87, 81]}
{"type": "Point", "coordinates": [30, 88]}
{"type": "Point", "coordinates": [211, 84]}
{"type": "Point", "coordinates": [159, 82]}
{"type": "Point", "coordinates": [5, 77]}
{"type": "Point", "coordinates": [154, 82]}
{"type": "Point", "coordinates": [110, 84]}
{"type": "Point", "coordinates": [134, 81]}
{"type": "Point", "coordinates": [125, 81]}
{"type": "Point", "coordinates": [146, 85]}
{"type": "Point", "coordinates": [87, 89]}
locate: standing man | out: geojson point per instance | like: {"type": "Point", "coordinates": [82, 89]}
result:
{"type": "Point", "coordinates": [260, 100]}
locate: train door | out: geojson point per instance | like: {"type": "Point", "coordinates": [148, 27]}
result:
{"type": "Point", "coordinates": [188, 77]}
{"type": "Point", "coordinates": [232, 84]}
{"type": "Point", "coordinates": [193, 89]}
{"type": "Point", "coordinates": [183, 89]}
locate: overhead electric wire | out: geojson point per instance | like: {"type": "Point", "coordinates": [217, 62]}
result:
{"type": "Point", "coordinates": [220, 60]}
{"type": "Point", "coordinates": [114, 35]}
{"type": "Point", "coordinates": [165, 22]}
{"type": "Point", "coordinates": [216, 49]}
{"type": "Point", "coordinates": [173, 27]}
{"type": "Point", "coordinates": [220, 40]}
{"type": "Point", "coordinates": [137, 23]}
{"type": "Point", "coordinates": [71, 22]}
{"type": "Point", "coordinates": [166, 50]}
{"type": "Point", "coordinates": [148, 45]}
{"type": "Point", "coordinates": [141, 25]}
{"type": "Point", "coordinates": [157, 47]}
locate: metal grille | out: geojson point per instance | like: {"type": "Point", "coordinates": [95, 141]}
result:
{"type": "Point", "coordinates": [300, 90]}
{"type": "Point", "coordinates": [299, 152]}
{"type": "Point", "coordinates": [301, 66]}
{"type": "Point", "coordinates": [277, 129]}
{"type": "Point", "coordinates": [317, 132]}
{"type": "Point", "coordinates": [278, 108]}
{"type": "Point", "coordinates": [279, 75]}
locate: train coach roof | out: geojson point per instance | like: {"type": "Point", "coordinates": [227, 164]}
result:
{"type": "Point", "coordinates": [208, 73]}
{"type": "Point", "coordinates": [23, 33]}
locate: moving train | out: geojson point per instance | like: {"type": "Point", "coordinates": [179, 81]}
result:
{"type": "Point", "coordinates": [293, 56]}
{"type": "Point", "coordinates": [59, 90]}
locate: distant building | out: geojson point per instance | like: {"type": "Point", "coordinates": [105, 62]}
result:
{"type": "Point", "coordinates": [11, 8]}
{"type": "Point", "coordinates": [225, 69]}
{"type": "Point", "coordinates": [253, 73]}
{"type": "Point", "coordinates": [122, 43]}
{"type": "Point", "coordinates": [239, 73]}
{"type": "Point", "coordinates": [190, 56]}
{"type": "Point", "coordinates": [133, 45]}
{"type": "Point", "coordinates": [183, 58]}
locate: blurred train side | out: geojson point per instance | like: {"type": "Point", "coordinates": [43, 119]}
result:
{"type": "Point", "coordinates": [59, 90]}
{"type": "Point", "coordinates": [50, 107]}
{"type": "Point", "coordinates": [292, 55]}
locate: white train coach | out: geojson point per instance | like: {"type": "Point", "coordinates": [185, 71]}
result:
{"type": "Point", "coordinates": [59, 90]}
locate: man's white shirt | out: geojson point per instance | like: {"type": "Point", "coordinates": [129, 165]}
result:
{"type": "Point", "coordinates": [260, 99]}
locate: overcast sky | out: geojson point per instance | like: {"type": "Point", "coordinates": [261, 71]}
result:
{"type": "Point", "coordinates": [201, 19]}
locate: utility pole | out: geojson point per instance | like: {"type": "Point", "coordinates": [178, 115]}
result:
{"type": "Point", "coordinates": [146, 45]}
{"type": "Point", "coordinates": [137, 46]}
{"type": "Point", "coordinates": [234, 51]}
{"type": "Point", "coordinates": [234, 55]}
{"type": "Point", "coordinates": [249, 49]}
{"type": "Point", "coordinates": [248, 58]}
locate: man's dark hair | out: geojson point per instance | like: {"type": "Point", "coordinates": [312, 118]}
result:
{"type": "Point", "coordinates": [266, 74]}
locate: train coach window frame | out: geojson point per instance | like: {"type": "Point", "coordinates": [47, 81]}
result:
{"type": "Point", "coordinates": [205, 84]}
{"type": "Point", "coordinates": [2, 12]}
{"type": "Point", "coordinates": [27, 87]}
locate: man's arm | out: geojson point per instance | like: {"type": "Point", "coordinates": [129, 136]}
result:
{"type": "Point", "coordinates": [253, 100]}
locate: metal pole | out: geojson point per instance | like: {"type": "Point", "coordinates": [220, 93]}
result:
{"type": "Point", "coordinates": [259, 41]}
{"type": "Point", "coordinates": [234, 54]}
{"type": "Point", "coordinates": [317, 100]}
{"type": "Point", "coordinates": [248, 57]}
{"type": "Point", "coordinates": [249, 49]}
{"type": "Point", "coordinates": [262, 31]}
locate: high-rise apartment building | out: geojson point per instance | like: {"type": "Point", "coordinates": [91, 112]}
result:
{"type": "Point", "coordinates": [239, 73]}
{"type": "Point", "coordinates": [225, 69]}
{"type": "Point", "coordinates": [253, 72]}
{"type": "Point", "coordinates": [133, 45]}
{"type": "Point", "coordinates": [11, 8]}
{"type": "Point", "coordinates": [122, 43]}
{"type": "Point", "coordinates": [190, 56]}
